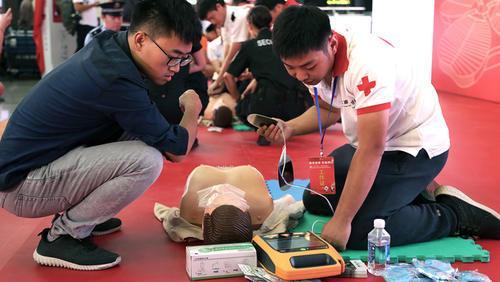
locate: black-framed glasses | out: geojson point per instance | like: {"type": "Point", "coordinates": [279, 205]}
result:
{"type": "Point", "coordinates": [173, 61]}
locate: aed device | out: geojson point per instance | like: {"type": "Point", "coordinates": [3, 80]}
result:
{"type": "Point", "coordinates": [297, 255]}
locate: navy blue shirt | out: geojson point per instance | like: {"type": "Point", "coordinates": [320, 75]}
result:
{"type": "Point", "coordinates": [257, 54]}
{"type": "Point", "coordinates": [91, 99]}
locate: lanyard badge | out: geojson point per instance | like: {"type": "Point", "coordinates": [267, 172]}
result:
{"type": "Point", "coordinates": [321, 173]}
{"type": "Point", "coordinates": [322, 169]}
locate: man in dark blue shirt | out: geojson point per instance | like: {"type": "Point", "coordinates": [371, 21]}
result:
{"type": "Point", "coordinates": [87, 141]}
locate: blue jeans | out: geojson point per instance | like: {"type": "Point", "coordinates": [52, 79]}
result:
{"type": "Point", "coordinates": [394, 196]}
{"type": "Point", "coordinates": [88, 184]}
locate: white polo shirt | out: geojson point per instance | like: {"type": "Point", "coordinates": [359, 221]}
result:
{"type": "Point", "coordinates": [89, 17]}
{"type": "Point", "coordinates": [235, 27]}
{"type": "Point", "coordinates": [372, 76]}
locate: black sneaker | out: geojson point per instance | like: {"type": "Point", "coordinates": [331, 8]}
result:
{"type": "Point", "coordinates": [474, 219]}
{"type": "Point", "coordinates": [68, 252]}
{"type": "Point", "coordinates": [109, 226]}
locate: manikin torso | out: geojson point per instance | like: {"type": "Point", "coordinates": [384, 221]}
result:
{"type": "Point", "coordinates": [246, 178]}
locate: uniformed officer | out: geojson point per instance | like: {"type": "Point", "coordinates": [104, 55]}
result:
{"type": "Point", "coordinates": [277, 93]}
{"type": "Point", "coordinates": [111, 16]}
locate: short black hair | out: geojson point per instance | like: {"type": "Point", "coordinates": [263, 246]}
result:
{"type": "Point", "coordinates": [300, 29]}
{"type": "Point", "coordinates": [205, 6]}
{"type": "Point", "coordinates": [166, 18]}
{"type": "Point", "coordinates": [260, 17]}
{"type": "Point", "coordinates": [270, 4]}
{"type": "Point", "coordinates": [210, 28]}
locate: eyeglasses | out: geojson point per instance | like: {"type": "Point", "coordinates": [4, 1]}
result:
{"type": "Point", "coordinates": [173, 61]}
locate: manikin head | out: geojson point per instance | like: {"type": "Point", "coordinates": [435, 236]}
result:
{"type": "Point", "coordinates": [226, 217]}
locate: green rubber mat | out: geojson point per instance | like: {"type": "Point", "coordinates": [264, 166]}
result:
{"type": "Point", "coordinates": [449, 249]}
{"type": "Point", "coordinates": [242, 127]}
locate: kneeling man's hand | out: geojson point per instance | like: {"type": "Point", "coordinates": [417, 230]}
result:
{"type": "Point", "coordinates": [273, 132]}
{"type": "Point", "coordinates": [337, 232]}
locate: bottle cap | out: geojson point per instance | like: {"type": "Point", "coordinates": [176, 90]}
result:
{"type": "Point", "coordinates": [379, 223]}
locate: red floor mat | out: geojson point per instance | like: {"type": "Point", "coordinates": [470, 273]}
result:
{"type": "Point", "coordinates": [147, 253]}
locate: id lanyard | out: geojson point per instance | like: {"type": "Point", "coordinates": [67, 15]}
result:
{"type": "Point", "coordinates": [316, 102]}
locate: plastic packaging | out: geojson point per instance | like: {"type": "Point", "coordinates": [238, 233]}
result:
{"type": "Point", "coordinates": [403, 272]}
{"type": "Point", "coordinates": [475, 276]}
{"type": "Point", "coordinates": [430, 270]}
{"type": "Point", "coordinates": [379, 242]}
{"type": "Point", "coordinates": [435, 269]}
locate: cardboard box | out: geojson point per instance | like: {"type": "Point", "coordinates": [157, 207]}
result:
{"type": "Point", "coordinates": [218, 261]}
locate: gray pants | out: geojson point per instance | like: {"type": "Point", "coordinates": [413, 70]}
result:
{"type": "Point", "coordinates": [89, 185]}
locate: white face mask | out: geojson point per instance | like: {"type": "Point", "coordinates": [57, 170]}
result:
{"type": "Point", "coordinates": [222, 194]}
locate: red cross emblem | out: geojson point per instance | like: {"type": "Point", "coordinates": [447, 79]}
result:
{"type": "Point", "coordinates": [366, 85]}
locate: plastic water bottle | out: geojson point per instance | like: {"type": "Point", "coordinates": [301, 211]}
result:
{"type": "Point", "coordinates": [379, 243]}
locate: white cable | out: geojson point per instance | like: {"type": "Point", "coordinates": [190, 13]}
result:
{"type": "Point", "coordinates": [283, 159]}
{"type": "Point", "coordinates": [314, 223]}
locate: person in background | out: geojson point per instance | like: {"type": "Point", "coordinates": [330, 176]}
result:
{"type": "Point", "coordinates": [86, 141]}
{"type": "Point", "coordinates": [5, 21]}
{"type": "Point", "coordinates": [87, 10]}
{"type": "Point", "coordinates": [25, 21]}
{"type": "Point", "coordinates": [276, 94]}
{"type": "Point", "coordinates": [215, 52]}
{"type": "Point", "coordinates": [398, 138]}
{"type": "Point", "coordinates": [233, 20]}
{"type": "Point", "coordinates": [111, 18]}
{"type": "Point", "coordinates": [274, 6]}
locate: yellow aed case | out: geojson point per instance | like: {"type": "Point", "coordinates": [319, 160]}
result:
{"type": "Point", "coordinates": [298, 255]}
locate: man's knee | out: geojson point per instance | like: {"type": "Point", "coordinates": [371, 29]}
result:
{"type": "Point", "coordinates": [150, 161]}
{"type": "Point", "coordinates": [316, 204]}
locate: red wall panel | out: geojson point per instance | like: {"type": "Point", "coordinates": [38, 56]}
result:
{"type": "Point", "coordinates": [466, 53]}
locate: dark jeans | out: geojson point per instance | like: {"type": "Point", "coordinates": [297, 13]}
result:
{"type": "Point", "coordinates": [274, 101]}
{"type": "Point", "coordinates": [393, 197]}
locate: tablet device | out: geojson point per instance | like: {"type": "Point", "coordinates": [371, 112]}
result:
{"type": "Point", "coordinates": [258, 120]}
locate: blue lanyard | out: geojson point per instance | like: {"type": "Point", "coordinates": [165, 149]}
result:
{"type": "Point", "coordinates": [316, 102]}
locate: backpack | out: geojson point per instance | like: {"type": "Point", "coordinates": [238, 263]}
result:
{"type": "Point", "coordinates": [70, 17]}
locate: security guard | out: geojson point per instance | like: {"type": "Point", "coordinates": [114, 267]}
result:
{"type": "Point", "coordinates": [277, 93]}
{"type": "Point", "coordinates": [111, 19]}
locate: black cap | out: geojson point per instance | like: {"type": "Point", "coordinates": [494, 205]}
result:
{"type": "Point", "coordinates": [113, 8]}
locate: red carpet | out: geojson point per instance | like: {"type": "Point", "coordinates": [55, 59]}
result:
{"type": "Point", "coordinates": [147, 253]}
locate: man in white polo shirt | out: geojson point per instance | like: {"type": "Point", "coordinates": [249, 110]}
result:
{"type": "Point", "coordinates": [398, 139]}
{"type": "Point", "coordinates": [232, 21]}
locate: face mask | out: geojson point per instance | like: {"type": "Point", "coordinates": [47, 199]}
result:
{"type": "Point", "coordinates": [222, 194]}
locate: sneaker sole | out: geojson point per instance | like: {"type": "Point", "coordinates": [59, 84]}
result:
{"type": "Point", "coordinates": [109, 231]}
{"type": "Point", "coordinates": [55, 262]}
{"type": "Point", "coordinates": [450, 191]}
